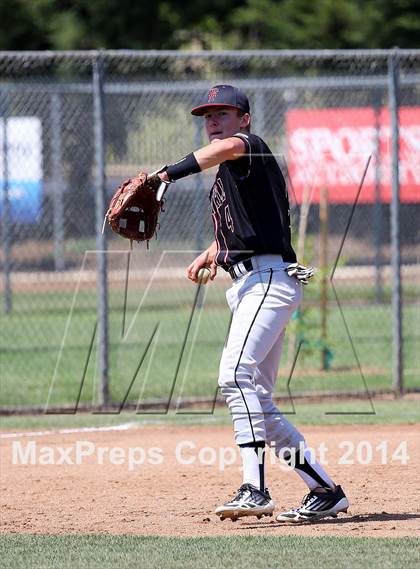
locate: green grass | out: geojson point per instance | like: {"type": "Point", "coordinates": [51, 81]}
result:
{"type": "Point", "coordinates": [126, 552]}
{"type": "Point", "coordinates": [402, 411]}
{"type": "Point", "coordinates": [31, 338]}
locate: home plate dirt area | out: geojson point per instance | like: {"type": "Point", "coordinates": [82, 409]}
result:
{"type": "Point", "coordinates": [160, 480]}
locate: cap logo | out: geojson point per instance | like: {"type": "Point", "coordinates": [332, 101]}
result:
{"type": "Point", "coordinates": [212, 94]}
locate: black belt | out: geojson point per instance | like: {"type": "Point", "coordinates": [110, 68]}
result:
{"type": "Point", "coordinates": [240, 269]}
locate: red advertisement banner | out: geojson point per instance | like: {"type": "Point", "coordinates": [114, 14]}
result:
{"type": "Point", "coordinates": [330, 148]}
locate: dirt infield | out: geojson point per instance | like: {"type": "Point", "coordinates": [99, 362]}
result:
{"type": "Point", "coordinates": [110, 491]}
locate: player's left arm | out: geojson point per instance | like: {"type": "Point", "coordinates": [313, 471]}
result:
{"type": "Point", "coordinates": [213, 154]}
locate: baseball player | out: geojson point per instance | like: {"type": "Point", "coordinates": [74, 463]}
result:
{"type": "Point", "coordinates": [250, 212]}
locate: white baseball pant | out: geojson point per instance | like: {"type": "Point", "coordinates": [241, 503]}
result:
{"type": "Point", "coordinates": [262, 302]}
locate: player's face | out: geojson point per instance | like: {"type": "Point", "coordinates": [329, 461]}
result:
{"type": "Point", "coordinates": [222, 122]}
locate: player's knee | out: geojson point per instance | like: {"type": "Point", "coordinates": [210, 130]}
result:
{"type": "Point", "coordinates": [264, 396]}
{"type": "Point", "coordinates": [266, 401]}
{"type": "Point", "coordinates": [226, 380]}
{"type": "Point", "coordinates": [236, 375]}
{"type": "Point", "coordinates": [231, 380]}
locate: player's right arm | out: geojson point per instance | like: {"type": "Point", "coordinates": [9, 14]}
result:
{"type": "Point", "coordinates": [206, 259]}
{"type": "Point", "coordinates": [219, 151]}
{"type": "Point", "coordinates": [206, 157]}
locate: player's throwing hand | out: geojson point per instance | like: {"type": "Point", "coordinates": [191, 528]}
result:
{"type": "Point", "coordinates": [206, 259]}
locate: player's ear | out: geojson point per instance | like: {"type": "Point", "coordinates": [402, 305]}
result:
{"type": "Point", "coordinates": [245, 120]}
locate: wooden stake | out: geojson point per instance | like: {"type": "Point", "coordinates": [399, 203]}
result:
{"type": "Point", "coordinates": [300, 251]}
{"type": "Point", "coordinates": [323, 261]}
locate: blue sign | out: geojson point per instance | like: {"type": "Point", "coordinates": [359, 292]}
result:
{"type": "Point", "coordinates": [21, 155]}
{"type": "Point", "coordinates": [25, 200]}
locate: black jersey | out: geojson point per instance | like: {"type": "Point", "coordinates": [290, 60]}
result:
{"type": "Point", "coordinates": [250, 206]}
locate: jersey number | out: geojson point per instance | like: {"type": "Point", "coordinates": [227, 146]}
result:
{"type": "Point", "coordinates": [228, 218]}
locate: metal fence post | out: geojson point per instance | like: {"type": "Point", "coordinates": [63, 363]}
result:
{"type": "Point", "coordinates": [198, 192]}
{"type": "Point", "coordinates": [258, 112]}
{"type": "Point", "coordinates": [58, 181]}
{"type": "Point", "coordinates": [6, 220]}
{"type": "Point", "coordinates": [198, 204]}
{"type": "Point", "coordinates": [393, 80]}
{"type": "Point", "coordinates": [377, 206]}
{"type": "Point", "coordinates": [100, 196]}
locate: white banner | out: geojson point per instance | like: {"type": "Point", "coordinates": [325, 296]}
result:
{"type": "Point", "coordinates": [23, 156]}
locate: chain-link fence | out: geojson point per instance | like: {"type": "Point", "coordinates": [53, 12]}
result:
{"type": "Point", "coordinates": [82, 315]}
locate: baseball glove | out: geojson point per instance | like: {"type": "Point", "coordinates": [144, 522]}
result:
{"type": "Point", "coordinates": [134, 209]}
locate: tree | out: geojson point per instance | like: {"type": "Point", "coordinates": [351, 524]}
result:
{"type": "Point", "coordinates": [304, 24]}
{"type": "Point", "coordinates": [239, 24]}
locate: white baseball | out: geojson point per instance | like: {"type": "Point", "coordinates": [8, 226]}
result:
{"type": "Point", "coordinates": [203, 276]}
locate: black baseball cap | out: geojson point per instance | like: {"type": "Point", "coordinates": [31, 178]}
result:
{"type": "Point", "coordinates": [225, 95]}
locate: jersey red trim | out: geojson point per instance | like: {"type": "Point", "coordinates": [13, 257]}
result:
{"type": "Point", "coordinates": [215, 238]}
